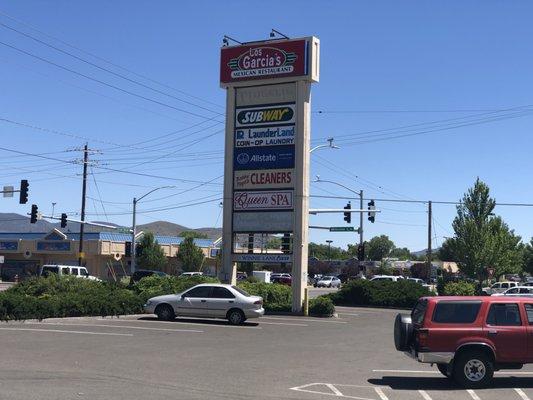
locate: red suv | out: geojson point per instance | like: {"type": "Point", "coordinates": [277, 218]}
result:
{"type": "Point", "coordinates": [468, 337]}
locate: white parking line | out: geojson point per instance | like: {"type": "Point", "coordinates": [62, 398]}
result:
{"type": "Point", "coordinates": [65, 331]}
{"type": "Point", "coordinates": [282, 323]}
{"type": "Point", "coordinates": [305, 388]}
{"type": "Point", "coordinates": [381, 394]}
{"type": "Point", "coordinates": [116, 326]}
{"type": "Point", "coordinates": [425, 395]}
{"type": "Point", "coordinates": [405, 371]}
{"type": "Point", "coordinates": [334, 389]}
{"type": "Point", "coordinates": [304, 320]}
{"type": "Point", "coordinates": [473, 394]}
{"type": "Point", "coordinates": [178, 322]}
{"type": "Point", "coordinates": [353, 315]}
{"type": "Point", "coordinates": [522, 394]}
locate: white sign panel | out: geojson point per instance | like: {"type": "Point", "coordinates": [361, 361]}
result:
{"type": "Point", "coordinates": [264, 179]}
{"type": "Point", "coordinates": [280, 114]}
{"type": "Point", "coordinates": [265, 221]}
{"type": "Point", "coordinates": [264, 200]}
{"type": "Point", "coordinates": [265, 258]}
{"type": "Point", "coordinates": [271, 136]}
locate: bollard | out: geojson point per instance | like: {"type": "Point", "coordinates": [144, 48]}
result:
{"type": "Point", "coordinates": [306, 301]}
{"type": "Point", "coordinates": [16, 278]}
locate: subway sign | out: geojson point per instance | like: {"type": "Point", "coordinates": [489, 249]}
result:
{"type": "Point", "coordinates": [265, 115]}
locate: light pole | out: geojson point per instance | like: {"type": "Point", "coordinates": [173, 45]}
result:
{"type": "Point", "coordinates": [329, 249]}
{"type": "Point", "coordinates": [324, 146]}
{"type": "Point", "coordinates": [134, 227]}
{"type": "Point", "coordinates": [359, 193]}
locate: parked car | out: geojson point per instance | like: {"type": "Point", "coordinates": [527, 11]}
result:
{"type": "Point", "coordinates": [186, 274]}
{"type": "Point", "coordinates": [329, 281]}
{"type": "Point", "coordinates": [208, 301]}
{"type": "Point", "coordinates": [391, 278]}
{"type": "Point", "coordinates": [78, 272]}
{"type": "Point", "coordinates": [468, 338]}
{"type": "Point", "coordinates": [499, 287]}
{"type": "Point", "coordinates": [143, 273]}
{"type": "Point", "coordinates": [416, 280]}
{"type": "Point", "coordinates": [523, 291]}
{"type": "Point", "coordinates": [241, 276]}
{"type": "Point", "coordinates": [283, 278]}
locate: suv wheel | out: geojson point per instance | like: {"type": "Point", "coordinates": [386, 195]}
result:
{"type": "Point", "coordinates": [473, 370]}
{"type": "Point", "coordinates": [165, 313]}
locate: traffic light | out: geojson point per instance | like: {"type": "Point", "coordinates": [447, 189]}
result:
{"type": "Point", "coordinates": [361, 252]}
{"type": "Point", "coordinates": [127, 249]}
{"type": "Point", "coordinates": [23, 191]}
{"type": "Point", "coordinates": [33, 215]}
{"type": "Point", "coordinates": [286, 243]}
{"type": "Point", "coordinates": [63, 220]}
{"type": "Point", "coordinates": [250, 243]}
{"type": "Point", "coordinates": [371, 215]}
{"type": "Point", "coordinates": [348, 215]}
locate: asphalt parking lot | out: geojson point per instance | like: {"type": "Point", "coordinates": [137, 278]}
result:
{"type": "Point", "coordinates": [277, 357]}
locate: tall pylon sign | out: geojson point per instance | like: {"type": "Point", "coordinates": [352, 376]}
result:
{"type": "Point", "coordinates": [266, 167]}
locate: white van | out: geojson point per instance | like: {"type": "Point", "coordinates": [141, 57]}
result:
{"type": "Point", "coordinates": [78, 272]}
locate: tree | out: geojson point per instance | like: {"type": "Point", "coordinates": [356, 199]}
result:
{"type": "Point", "coordinates": [445, 252]}
{"type": "Point", "coordinates": [274, 243]}
{"type": "Point", "coordinates": [401, 253]}
{"type": "Point", "coordinates": [378, 248]}
{"type": "Point", "coordinates": [190, 255]}
{"type": "Point", "coordinates": [528, 257]}
{"type": "Point", "coordinates": [151, 255]}
{"type": "Point", "coordinates": [193, 234]}
{"type": "Point", "coordinates": [481, 239]}
{"type": "Point", "coordinates": [322, 252]}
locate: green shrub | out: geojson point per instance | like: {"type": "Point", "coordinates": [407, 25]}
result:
{"type": "Point", "coordinates": [152, 286]}
{"type": "Point", "coordinates": [54, 296]}
{"type": "Point", "coordinates": [459, 289]}
{"type": "Point", "coordinates": [252, 279]}
{"type": "Point", "coordinates": [321, 307]}
{"type": "Point", "coordinates": [403, 294]}
{"type": "Point", "coordinates": [276, 297]}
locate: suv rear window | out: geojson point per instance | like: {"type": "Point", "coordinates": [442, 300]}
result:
{"type": "Point", "coordinates": [418, 313]}
{"type": "Point", "coordinates": [456, 312]}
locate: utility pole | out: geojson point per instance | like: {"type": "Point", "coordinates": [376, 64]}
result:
{"type": "Point", "coordinates": [133, 234]}
{"type": "Point", "coordinates": [429, 239]}
{"type": "Point", "coordinates": [360, 218]}
{"type": "Point", "coordinates": [329, 249]}
{"type": "Point", "coordinates": [83, 194]}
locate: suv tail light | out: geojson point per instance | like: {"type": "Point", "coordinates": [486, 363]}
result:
{"type": "Point", "coordinates": [422, 336]}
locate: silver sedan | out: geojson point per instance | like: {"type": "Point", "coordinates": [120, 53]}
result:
{"type": "Point", "coordinates": [207, 301]}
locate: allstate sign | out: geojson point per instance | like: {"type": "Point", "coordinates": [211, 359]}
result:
{"type": "Point", "coordinates": [273, 157]}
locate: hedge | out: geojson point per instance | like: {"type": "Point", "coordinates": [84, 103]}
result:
{"type": "Point", "coordinates": [276, 297]}
{"type": "Point", "coordinates": [321, 307]}
{"type": "Point", "coordinates": [402, 294]}
{"type": "Point", "coordinates": [459, 289]}
{"type": "Point", "coordinates": [54, 296]}
{"type": "Point", "coordinates": [152, 286]}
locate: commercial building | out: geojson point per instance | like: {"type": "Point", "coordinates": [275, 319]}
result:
{"type": "Point", "coordinates": [104, 252]}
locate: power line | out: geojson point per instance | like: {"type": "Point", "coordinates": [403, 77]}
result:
{"type": "Point", "coordinates": [404, 111]}
{"type": "Point", "coordinates": [104, 60]}
{"type": "Point", "coordinates": [107, 84]}
{"type": "Point", "coordinates": [105, 69]}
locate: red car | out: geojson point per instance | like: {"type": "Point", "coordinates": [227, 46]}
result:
{"type": "Point", "coordinates": [468, 338]}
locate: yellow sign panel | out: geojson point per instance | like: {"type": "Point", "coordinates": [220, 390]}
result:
{"type": "Point", "coordinates": [81, 254]}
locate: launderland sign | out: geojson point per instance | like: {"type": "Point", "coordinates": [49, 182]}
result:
{"type": "Point", "coordinates": [269, 136]}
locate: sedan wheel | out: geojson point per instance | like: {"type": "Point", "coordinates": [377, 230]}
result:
{"type": "Point", "coordinates": [165, 313]}
{"type": "Point", "coordinates": [236, 317]}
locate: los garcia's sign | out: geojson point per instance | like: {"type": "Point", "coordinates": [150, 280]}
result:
{"type": "Point", "coordinates": [267, 60]}
{"type": "Point", "coordinates": [270, 136]}
{"type": "Point", "coordinates": [274, 178]}
{"type": "Point", "coordinates": [265, 200]}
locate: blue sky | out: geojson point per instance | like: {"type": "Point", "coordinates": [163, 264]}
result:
{"type": "Point", "coordinates": [388, 69]}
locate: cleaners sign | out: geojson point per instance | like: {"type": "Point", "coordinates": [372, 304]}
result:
{"type": "Point", "coordinates": [273, 178]}
{"type": "Point", "coordinates": [271, 136]}
{"type": "Point", "coordinates": [267, 60]}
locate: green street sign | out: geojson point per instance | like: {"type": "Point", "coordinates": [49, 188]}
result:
{"type": "Point", "coordinates": [342, 229]}
{"type": "Point", "coordinates": [123, 230]}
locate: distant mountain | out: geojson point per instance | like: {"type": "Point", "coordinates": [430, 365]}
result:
{"type": "Point", "coordinates": [10, 222]}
